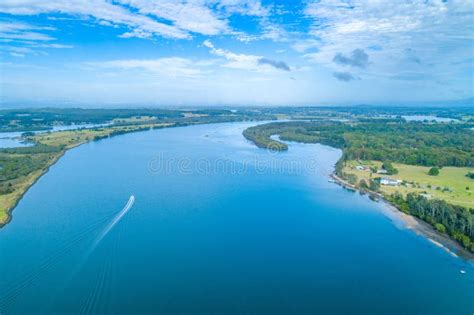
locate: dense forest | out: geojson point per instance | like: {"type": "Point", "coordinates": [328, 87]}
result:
{"type": "Point", "coordinates": [414, 143]}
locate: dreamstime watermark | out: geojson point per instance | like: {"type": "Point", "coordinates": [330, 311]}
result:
{"type": "Point", "coordinates": [257, 164]}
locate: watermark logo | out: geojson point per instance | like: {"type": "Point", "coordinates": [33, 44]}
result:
{"type": "Point", "coordinates": [272, 163]}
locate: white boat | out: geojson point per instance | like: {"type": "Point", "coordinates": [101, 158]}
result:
{"type": "Point", "coordinates": [462, 271]}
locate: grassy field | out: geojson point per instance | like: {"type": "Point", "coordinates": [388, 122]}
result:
{"type": "Point", "coordinates": [450, 185]}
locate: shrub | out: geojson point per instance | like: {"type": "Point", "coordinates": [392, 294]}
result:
{"type": "Point", "coordinates": [440, 228]}
{"type": "Point", "coordinates": [389, 168]}
{"type": "Point", "coordinates": [434, 171]}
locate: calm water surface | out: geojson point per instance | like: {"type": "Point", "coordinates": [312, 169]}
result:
{"type": "Point", "coordinates": [13, 139]}
{"type": "Point", "coordinates": [218, 226]}
{"type": "Point", "coordinates": [429, 118]}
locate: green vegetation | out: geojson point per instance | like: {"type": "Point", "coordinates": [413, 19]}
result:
{"type": "Point", "coordinates": [413, 143]}
{"type": "Point", "coordinates": [470, 175]}
{"type": "Point", "coordinates": [374, 185]}
{"type": "Point", "coordinates": [440, 228]}
{"type": "Point", "coordinates": [389, 168]}
{"type": "Point", "coordinates": [304, 132]}
{"type": "Point", "coordinates": [434, 171]}
{"type": "Point", "coordinates": [404, 150]}
{"type": "Point", "coordinates": [363, 184]}
{"type": "Point", "coordinates": [253, 134]}
{"type": "Point", "coordinates": [454, 220]}
{"type": "Point", "coordinates": [450, 185]}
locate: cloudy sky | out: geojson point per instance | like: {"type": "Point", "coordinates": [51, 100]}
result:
{"type": "Point", "coordinates": [236, 52]}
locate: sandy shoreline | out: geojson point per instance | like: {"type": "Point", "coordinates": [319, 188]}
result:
{"type": "Point", "coordinates": [425, 230]}
{"type": "Point", "coordinates": [418, 226]}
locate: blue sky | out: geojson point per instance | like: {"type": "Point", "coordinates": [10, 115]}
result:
{"type": "Point", "coordinates": [235, 52]}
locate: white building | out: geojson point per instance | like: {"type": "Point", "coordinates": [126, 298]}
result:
{"type": "Point", "coordinates": [390, 182]}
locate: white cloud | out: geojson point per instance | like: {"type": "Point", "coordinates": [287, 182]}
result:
{"type": "Point", "coordinates": [22, 37]}
{"type": "Point", "coordinates": [243, 7]}
{"type": "Point", "coordinates": [193, 16]}
{"type": "Point", "coordinates": [13, 30]}
{"type": "Point", "coordinates": [273, 31]}
{"type": "Point", "coordinates": [16, 51]}
{"type": "Point", "coordinates": [138, 33]}
{"type": "Point", "coordinates": [302, 46]}
{"type": "Point", "coordinates": [247, 62]}
{"type": "Point", "coordinates": [99, 9]}
{"type": "Point", "coordinates": [144, 18]}
{"type": "Point", "coordinates": [174, 67]}
{"type": "Point", "coordinates": [235, 61]}
{"type": "Point", "coordinates": [167, 18]}
{"type": "Point", "coordinates": [56, 46]}
{"type": "Point", "coordinates": [12, 27]}
{"type": "Point", "coordinates": [26, 36]}
{"type": "Point", "coordinates": [437, 30]}
{"type": "Point", "coordinates": [19, 55]}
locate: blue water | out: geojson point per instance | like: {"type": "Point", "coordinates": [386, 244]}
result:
{"type": "Point", "coordinates": [217, 226]}
{"type": "Point", "coordinates": [14, 139]}
{"type": "Point", "coordinates": [429, 118]}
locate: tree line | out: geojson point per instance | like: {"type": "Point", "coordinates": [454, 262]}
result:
{"type": "Point", "coordinates": [456, 221]}
{"type": "Point", "coordinates": [413, 143]}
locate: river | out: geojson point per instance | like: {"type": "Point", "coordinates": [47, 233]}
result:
{"type": "Point", "coordinates": [197, 219]}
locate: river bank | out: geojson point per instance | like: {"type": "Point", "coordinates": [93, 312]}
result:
{"type": "Point", "coordinates": [32, 178]}
{"type": "Point", "coordinates": [67, 140]}
{"type": "Point", "coordinates": [411, 222]}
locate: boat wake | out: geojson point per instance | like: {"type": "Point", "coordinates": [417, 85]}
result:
{"type": "Point", "coordinates": [106, 231]}
{"type": "Point", "coordinates": [112, 223]}
{"type": "Point", "coordinates": [8, 296]}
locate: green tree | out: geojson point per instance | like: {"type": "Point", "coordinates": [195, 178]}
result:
{"type": "Point", "coordinates": [434, 171]}
{"type": "Point", "coordinates": [389, 168]}
{"type": "Point", "coordinates": [440, 228]}
{"type": "Point", "coordinates": [374, 185]}
{"type": "Point", "coordinates": [363, 184]}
